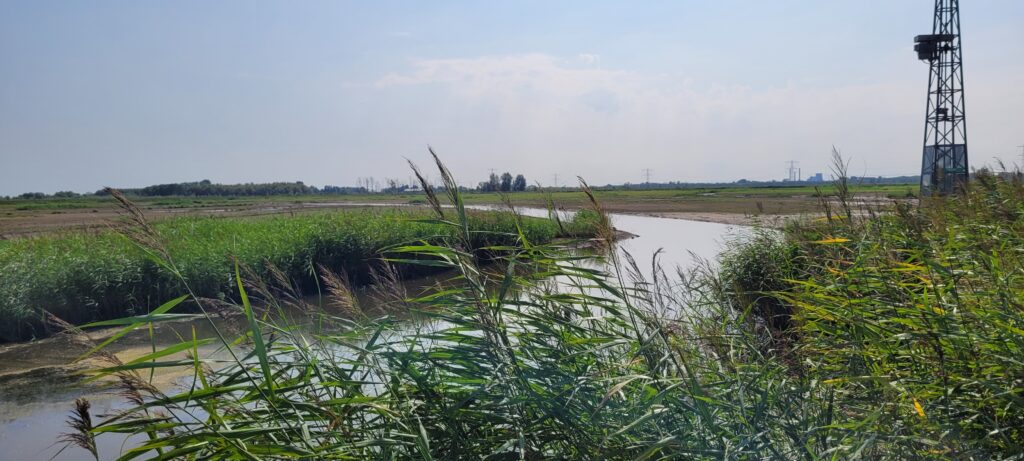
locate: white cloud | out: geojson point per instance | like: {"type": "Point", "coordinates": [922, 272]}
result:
{"type": "Point", "coordinates": [545, 111]}
{"type": "Point", "coordinates": [589, 58]}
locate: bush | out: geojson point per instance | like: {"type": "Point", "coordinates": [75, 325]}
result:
{"type": "Point", "coordinates": [754, 269]}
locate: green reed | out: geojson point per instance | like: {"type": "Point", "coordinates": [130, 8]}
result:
{"type": "Point", "coordinates": [902, 340]}
{"type": "Point", "coordinates": [89, 275]}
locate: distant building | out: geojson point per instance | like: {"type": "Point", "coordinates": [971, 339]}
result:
{"type": "Point", "coordinates": [816, 177]}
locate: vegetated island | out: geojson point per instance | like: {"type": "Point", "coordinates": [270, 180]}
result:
{"type": "Point", "coordinates": [81, 276]}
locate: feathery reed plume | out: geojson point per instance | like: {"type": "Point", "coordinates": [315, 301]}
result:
{"type": "Point", "coordinates": [549, 203]}
{"type": "Point", "coordinates": [340, 291]}
{"type": "Point", "coordinates": [506, 199]}
{"type": "Point", "coordinates": [824, 203]}
{"type": "Point", "coordinates": [450, 186]}
{"type": "Point", "coordinates": [72, 332]}
{"type": "Point", "coordinates": [270, 295]}
{"type": "Point", "coordinates": [428, 190]}
{"type": "Point", "coordinates": [130, 387]}
{"type": "Point", "coordinates": [128, 383]}
{"type": "Point", "coordinates": [452, 190]}
{"type": "Point", "coordinates": [80, 423]}
{"type": "Point", "coordinates": [841, 183]}
{"type": "Point", "coordinates": [387, 286]}
{"type": "Point", "coordinates": [604, 231]}
{"type": "Point", "coordinates": [138, 228]}
{"type": "Point", "coordinates": [284, 287]}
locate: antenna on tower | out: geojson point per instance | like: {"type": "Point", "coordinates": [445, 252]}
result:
{"type": "Point", "coordinates": [944, 160]}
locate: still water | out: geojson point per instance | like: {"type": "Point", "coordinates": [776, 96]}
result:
{"type": "Point", "coordinates": [37, 391]}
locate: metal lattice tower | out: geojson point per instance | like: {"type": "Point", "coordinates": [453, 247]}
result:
{"type": "Point", "coordinates": [944, 160]}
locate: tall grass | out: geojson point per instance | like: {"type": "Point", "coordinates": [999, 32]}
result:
{"type": "Point", "coordinates": [904, 341]}
{"type": "Point", "coordinates": [87, 276]}
{"type": "Point", "coordinates": [911, 319]}
{"type": "Point", "coordinates": [916, 321]}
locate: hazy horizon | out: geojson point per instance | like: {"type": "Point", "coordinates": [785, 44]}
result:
{"type": "Point", "coordinates": [130, 94]}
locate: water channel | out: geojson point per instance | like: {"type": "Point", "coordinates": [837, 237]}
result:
{"type": "Point", "coordinates": [37, 390]}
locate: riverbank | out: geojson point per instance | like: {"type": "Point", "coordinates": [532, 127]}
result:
{"type": "Point", "coordinates": [734, 219]}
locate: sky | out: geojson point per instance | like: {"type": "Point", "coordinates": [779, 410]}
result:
{"type": "Point", "coordinates": [128, 94]}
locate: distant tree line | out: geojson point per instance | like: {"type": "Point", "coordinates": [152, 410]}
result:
{"type": "Point", "coordinates": [495, 183]}
{"type": "Point", "coordinates": [503, 183]}
{"type": "Point", "coordinates": [41, 195]}
{"type": "Point", "coordinates": [205, 188]}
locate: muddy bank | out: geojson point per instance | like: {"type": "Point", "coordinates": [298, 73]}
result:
{"type": "Point", "coordinates": [732, 219]}
{"type": "Point", "coordinates": [29, 368]}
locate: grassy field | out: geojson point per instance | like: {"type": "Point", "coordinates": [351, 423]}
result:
{"type": "Point", "coordinates": [82, 276]}
{"type": "Point", "coordinates": [898, 336]}
{"type": "Point", "coordinates": [26, 217]}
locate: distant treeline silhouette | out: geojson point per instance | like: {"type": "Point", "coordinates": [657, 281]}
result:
{"type": "Point", "coordinates": [206, 188]}
{"type": "Point", "coordinates": [495, 183]}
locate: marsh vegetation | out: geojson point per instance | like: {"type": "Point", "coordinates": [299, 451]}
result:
{"type": "Point", "coordinates": [83, 276]}
{"type": "Point", "coordinates": [892, 336]}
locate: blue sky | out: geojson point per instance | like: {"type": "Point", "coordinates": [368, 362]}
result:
{"type": "Point", "coordinates": [134, 93]}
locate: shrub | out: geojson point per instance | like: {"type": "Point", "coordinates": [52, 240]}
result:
{"type": "Point", "coordinates": [754, 269]}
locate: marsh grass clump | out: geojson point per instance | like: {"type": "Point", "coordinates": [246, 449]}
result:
{"type": "Point", "coordinates": [912, 318]}
{"type": "Point", "coordinates": [753, 269]}
{"type": "Point", "coordinates": [905, 343]}
{"type": "Point", "coordinates": [933, 302]}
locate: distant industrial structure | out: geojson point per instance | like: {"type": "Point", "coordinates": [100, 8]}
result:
{"type": "Point", "coordinates": [793, 171]}
{"type": "Point", "coordinates": [944, 160]}
{"type": "Point", "coordinates": [816, 177]}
